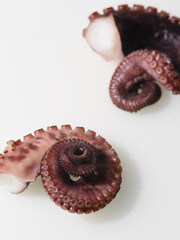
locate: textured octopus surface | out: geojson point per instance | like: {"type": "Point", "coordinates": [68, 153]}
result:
{"type": "Point", "coordinates": [79, 169]}
{"type": "Point", "coordinates": [81, 173]}
{"type": "Point", "coordinates": [148, 46]}
{"type": "Point", "coordinates": [20, 162]}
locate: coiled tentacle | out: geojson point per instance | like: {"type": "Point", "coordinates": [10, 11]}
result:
{"type": "Point", "coordinates": [94, 164]}
{"type": "Point", "coordinates": [118, 34]}
{"type": "Point", "coordinates": [77, 157]}
{"type": "Point", "coordinates": [79, 169]}
{"type": "Point", "coordinates": [132, 86]}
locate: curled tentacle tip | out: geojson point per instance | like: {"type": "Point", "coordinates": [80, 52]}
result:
{"type": "Point", "coordinates": [77, 157]}
{"type": "Point", "coordinates": [81, 175]}
{"type": "Point", "coordinates": [133, 84]}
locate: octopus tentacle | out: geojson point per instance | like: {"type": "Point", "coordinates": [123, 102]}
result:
{"type": "Point", "coordinates": [135, 8]}
{"type": "Point", "coordinates": [117, 33]}
{"type": "Point", "coordinates": [79, 169]}
{"type": "Point", "coordinates": [77, 157]}
{"type": "Point", "coordinates": [138, 28]}
{"type": "Point", "coordinates": [96, 165]}
{"type": "Point", "coordinates": [133, 70]}
{"type": "Point", "coordinates": [20, 162]}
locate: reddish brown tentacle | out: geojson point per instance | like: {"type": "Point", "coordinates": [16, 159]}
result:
{"type": "Point", "coordinates": [93, 162]}
{"type": "Point", "coordinates": [136, 8]}
{"type": "Point", "coordinates": [77, 157]}
{"type": "Point", "coordinates": [141, 28]}
{"type": "Point", "coordinates": [20, 163]}
{"type": "Point", "coordinates": [138, 28]}
{"type": "Point", "coordinates": [93, 189]}
{"type": "Point", "coordinates": [136, 67]}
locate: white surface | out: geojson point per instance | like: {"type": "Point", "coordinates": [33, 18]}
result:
{"type": "Point", "coordinates": [49, 75]}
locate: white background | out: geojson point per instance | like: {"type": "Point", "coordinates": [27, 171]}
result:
{"type": "Point", "coordinates": [50, 76]}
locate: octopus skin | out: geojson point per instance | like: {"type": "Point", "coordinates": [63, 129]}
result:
{"type": "Point", "coordinates": [79, 169]}
{"type": "Point", "coordinates": [147, 45]}
{"type": "Point", "coordinates": [20, 161]}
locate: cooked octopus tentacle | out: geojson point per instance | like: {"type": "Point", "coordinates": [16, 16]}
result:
{"type": "Point", "coordinates": [20, 162]}
{"type": "Point", "coordinates": [115, 34]}
{"type": "Point", "coordinates": [132, 85]}
{"type": "Point", "coordinates": [81, 174]}
{"type": "Point", "coordinates": [80, 170]}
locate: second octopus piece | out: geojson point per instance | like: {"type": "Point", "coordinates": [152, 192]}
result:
{"type": "Point", "coordinates": [147, 44]}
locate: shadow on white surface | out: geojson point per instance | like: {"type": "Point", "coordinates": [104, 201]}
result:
{"type": "Point", "coordinates": [127, 197]}
{"type": "Point", "coordinates": [35, 189]}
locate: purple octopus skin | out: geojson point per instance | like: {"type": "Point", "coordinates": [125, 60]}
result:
{"type": "Point", "coordinates": [79, 169]}
{"type": "Point", "coordinates": [147, 43]}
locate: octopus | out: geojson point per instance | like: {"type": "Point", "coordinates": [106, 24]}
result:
{"type": "Point", "coordinates": [147, 45]}
{"type": "Point", "coordinates": [80, 170]}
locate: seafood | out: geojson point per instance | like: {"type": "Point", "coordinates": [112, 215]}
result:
{"type": "Point", "coordinates": [79, 169]}
{"type": "Point", "coordinates": [147, 44]}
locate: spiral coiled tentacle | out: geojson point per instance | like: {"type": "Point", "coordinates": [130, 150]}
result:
{"type": "Point", "coordinates": [132, 86]}
{"type": "Point", "coordinates": [95, 164]}
{"type": "Point", "coordinates": [86, 166]}
{"type": "Point", "coordinates": [77, 158]}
